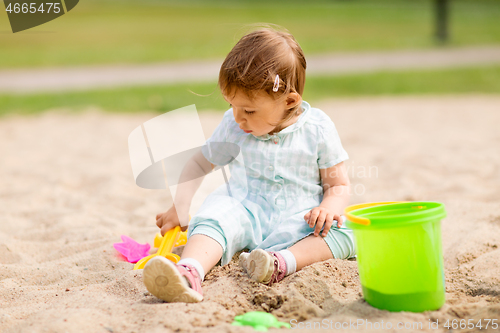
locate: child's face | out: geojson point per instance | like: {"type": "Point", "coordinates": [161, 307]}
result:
{"type": "Point", "coordinates": [256, 115]}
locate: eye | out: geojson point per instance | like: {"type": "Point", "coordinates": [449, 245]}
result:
{"type": "Point", "coordinates": [249, 112]}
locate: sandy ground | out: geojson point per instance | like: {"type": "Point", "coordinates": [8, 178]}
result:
{"type": "Point", "coordinates": [67, 194]}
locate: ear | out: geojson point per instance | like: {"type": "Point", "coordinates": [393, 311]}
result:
{"type": "Point", "coordinates": [293, 99]}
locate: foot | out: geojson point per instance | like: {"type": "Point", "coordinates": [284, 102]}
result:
{"type": "Point", "coordinates": [171, 282]}
{"type": "Point", "coordinates": [264, 267]}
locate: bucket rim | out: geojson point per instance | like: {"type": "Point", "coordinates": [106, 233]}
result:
{"type": "Point", "coordinates": [364, 216]}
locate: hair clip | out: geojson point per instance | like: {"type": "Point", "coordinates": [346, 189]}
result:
{"type": "Point", "coordinates": [276, 83]}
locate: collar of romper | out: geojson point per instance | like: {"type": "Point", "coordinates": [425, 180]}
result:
{"type": "Point", "coordinates": [295, 126]}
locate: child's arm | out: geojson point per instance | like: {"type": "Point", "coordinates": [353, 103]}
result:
{"type": "Point", "coordinates": [190, 180]}
{"type": "Point", "coordinates": [336, 189]}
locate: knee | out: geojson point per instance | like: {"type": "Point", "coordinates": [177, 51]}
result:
{"type": "Point", "coordinates": [341, 245]}
{"type": "Point", "coordinates": [211, 229]}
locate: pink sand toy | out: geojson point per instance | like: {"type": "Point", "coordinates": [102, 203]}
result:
{"type": "Point", "coordinates": [132, 250]}
{"type": "Point", "coordinates": [135, 252]}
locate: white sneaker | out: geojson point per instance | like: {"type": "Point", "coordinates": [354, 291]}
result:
{"type": "Point", "coordinates": [171, 282]}
{"type": "Point", "coordinates": [262, 266]}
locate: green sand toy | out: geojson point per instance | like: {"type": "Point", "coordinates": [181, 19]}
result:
{"type": "Point", "coordinates": [259, 320]}
{"type": "Point", "coordinates": [400, 259]}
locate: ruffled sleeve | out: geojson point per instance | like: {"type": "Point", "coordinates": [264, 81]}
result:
{"type": "Point", "coordinates": [330, 150]}
{"type": "Point", "coordinates": [217, 150]}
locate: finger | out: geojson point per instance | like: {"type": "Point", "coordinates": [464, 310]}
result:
{"type": "Point", "coordinates": [313, 218]}
{"type": "Point", "coordinates": [164, 229]}
{"type": "Point", "coordinates": [306, 217]}
{"type": "Point", "coordinates": [339, 220]}
{"type": "Point", "coordinates": [159, 222]}
{"type": "Point", "coordinates": [328, 224]}
{"type": "Point", "coordinates": [320, 222]}
{"type": "Point", "coordinates": [322, 216]}
{"type": "Point", "coordinates": [318, 227]}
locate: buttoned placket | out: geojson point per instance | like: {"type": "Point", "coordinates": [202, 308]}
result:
{"type": "Point", "coordinates": [278, 201]}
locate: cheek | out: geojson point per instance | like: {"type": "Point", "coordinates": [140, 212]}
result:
{"type": "Point", "coordinates": [258, 122]}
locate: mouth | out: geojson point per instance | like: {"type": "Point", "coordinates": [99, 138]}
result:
{"type": "Point", "coordinates": [246, 131]}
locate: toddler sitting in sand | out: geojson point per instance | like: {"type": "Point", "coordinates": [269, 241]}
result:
{"type": "Point", "coordinates": [296, 185]}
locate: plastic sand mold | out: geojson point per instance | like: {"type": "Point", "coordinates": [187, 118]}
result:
{"type": "Point", "coordinates": [132, 250]}
{"type": "Point", "coordinates": [259, 320]}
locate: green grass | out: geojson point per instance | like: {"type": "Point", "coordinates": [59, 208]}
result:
{"type": "Point", "coordinates": [125, 31]}
{"type": "Point", "coordinates": [167, 98]}
{"type": "Point", "coordinates": [445, 81]}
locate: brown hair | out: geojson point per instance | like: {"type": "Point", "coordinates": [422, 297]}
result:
{"type": "Point", "coordinates": [254, 62]}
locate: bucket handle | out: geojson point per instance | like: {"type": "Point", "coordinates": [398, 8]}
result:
{"type": "Point", "coordinates": [364, 220]}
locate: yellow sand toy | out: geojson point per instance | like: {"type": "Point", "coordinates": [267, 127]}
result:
{"type": "Point", "coordinates": [165, 244]}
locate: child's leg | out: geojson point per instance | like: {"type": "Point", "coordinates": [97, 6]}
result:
{"type": "Point", "coordinates": [270, 267]}
{"type": "Point", "coordinates": [338, 243]}
{"type": "Point", "coordinates": [203, 249]}
{"type": "Point", "coordinates": [303, 254]}
{"type": "Point", "coordinates": [181, 282]}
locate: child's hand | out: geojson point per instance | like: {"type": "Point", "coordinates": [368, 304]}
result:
{"type": "Point", "coordinates": [321, 216]}
{"type": "Point", "coordinates": [168, 220]}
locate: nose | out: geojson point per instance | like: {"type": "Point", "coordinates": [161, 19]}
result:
{"type": "Point", "coordinates": [238, 116]}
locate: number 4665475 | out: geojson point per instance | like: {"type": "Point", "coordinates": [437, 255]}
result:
{"type": "Point", "coordinates": [471, 323]}
{"type": "Point", "coordinates": [32, 8]}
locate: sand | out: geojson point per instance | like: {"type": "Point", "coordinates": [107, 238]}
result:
{"type": "Point", "coordinates": [67, 194]}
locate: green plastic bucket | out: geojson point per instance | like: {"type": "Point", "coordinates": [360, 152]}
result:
{"type": "Point", "coordinates": [399, 254]}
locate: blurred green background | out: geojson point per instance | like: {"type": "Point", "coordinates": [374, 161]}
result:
{"type": "Point", "coordinates": [106, 32]}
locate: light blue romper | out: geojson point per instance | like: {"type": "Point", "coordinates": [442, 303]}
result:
{"type": "Point", "coordinates": [273, 184]}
